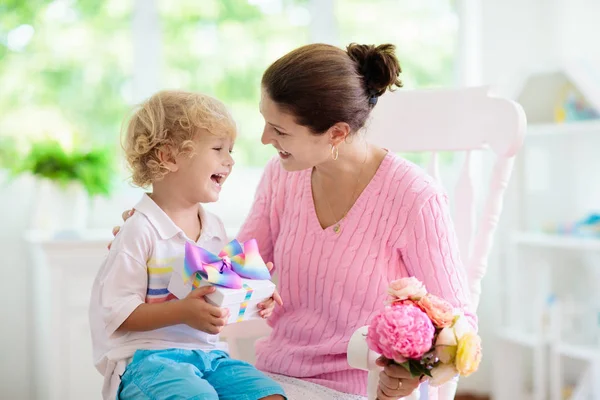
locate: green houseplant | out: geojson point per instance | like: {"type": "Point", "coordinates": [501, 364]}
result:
{"type": "Point", "coordinates": [66, 181]}
{"type": "Point", "coordinates": [93, 170]}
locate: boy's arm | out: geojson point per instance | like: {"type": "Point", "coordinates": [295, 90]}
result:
{"type": "Point", "coordinates": [123, 287]}
{"type": "Point", "coordinates": [147, 317]}
{"type": "Point", "coordinates": [193, 311]}
{"type": "Point", "coordinates": [125, 310]}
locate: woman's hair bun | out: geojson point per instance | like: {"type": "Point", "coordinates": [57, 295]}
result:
{"type": "Point", "coordinates": [378, 65]}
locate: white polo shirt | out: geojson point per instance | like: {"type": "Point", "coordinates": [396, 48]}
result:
{"type": "Point", "coordinates": [137, 270]}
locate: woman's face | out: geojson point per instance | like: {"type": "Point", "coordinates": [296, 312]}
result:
{"type": "Point", "coordinates": [297, 147]}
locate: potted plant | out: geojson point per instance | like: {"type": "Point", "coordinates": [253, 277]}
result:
{"type": "Point", "coordinates": [67, 181]}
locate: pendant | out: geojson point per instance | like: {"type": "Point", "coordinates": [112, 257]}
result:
{"type": "Point", "coordinates": [337, 228]}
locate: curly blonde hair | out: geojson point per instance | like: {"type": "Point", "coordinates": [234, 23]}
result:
{"type": "Point", "coordinates": [169, 121]}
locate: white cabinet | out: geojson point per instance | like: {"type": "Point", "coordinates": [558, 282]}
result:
{"type": "Point", "coordinates": [62, 273]}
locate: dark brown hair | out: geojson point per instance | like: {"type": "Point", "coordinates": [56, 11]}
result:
{"type": "Point", "coordinates": [322, 85]}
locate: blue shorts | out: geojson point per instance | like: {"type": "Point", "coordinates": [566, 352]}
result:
{"type": "Point", "coordinates": [193, 374]}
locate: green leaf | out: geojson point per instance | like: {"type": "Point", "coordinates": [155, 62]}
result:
{"type": "Point", "coordinates": [406, 365]}
{"type": "Point", "coordinates": [416, 369]}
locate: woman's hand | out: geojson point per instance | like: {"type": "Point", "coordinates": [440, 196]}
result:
{"type": "Point", "coordinates": [394, 381]}
{"type": "Point", "coordinates": [268, 305]}
{"type": "Point", "coordinates": [126, 214]}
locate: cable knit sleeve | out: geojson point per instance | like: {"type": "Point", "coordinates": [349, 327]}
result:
{"type": "Point", "coordinates": [431, 254]}
{"type": "Point", "coordinates": [259, 222]}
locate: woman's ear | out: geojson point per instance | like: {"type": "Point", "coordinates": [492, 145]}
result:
{"type": "Point", "coordinates": [166, 158]}
{"type": "Point", "coordinates": [338, 133]}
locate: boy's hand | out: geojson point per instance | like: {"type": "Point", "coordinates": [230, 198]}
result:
{"type": "Point", "coordinates": [199, 314]}
{"type": "Point", "coordinates": [268, 305]}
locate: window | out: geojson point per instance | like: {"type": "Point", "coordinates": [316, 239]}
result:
{"type": "Point", "coordinates": [223, 47]}
{"type": "Point", "coordinates": [425, 33]}
{"type": "Point", "coordinates": [65, 70]}
{"type": "Point", "coordinates": [67, 67]}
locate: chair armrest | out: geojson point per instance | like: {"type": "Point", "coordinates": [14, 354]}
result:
{"type": "Point", "coordinates": [359, 354]}
{"type": "Point", "coordinates": [361, 357]}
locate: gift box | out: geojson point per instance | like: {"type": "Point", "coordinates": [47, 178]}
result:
{"type": "Point", "coordinates": [242, 303]}
{"type": "Point", "coordinates": [230, 273]}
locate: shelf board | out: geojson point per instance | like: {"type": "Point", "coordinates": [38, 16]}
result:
{"type": "Point", "coordinates": [528, 339]}
{"type": "Point", "coordinates": [580, 352]}
{"type": "Point", "coordinates": [564, 129]}
{"type": "Point", "coordinates": [539, 239]}
{"type": "Point", "coordinates": [516, 336]}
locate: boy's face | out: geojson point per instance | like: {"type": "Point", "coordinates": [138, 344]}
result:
{"type": "Point", "coordinates": [202, 175]}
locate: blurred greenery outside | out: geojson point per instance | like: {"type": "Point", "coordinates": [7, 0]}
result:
{"type": "Point", "coordinates": [66, 66]}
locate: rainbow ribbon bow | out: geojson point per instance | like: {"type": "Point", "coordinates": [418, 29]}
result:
{"type": "Point", "coordinates": [234, 262]}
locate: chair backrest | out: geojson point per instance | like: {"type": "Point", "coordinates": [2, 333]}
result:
{"type": "Point", "coordinates": [457, 120]}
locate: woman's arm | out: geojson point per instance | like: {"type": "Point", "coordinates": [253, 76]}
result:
{"type": "Point", "coordinates": [261, 222]}
{"type": "Point", "coordinates": [429, 248]}
{"type": "Point", "coordinates": [430, 252]}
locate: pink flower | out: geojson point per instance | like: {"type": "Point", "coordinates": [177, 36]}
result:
{"type": "Point", "coordinates": [406, 288]}
{"type": "Point", "coordinates": [400, 332]}
{"type": "Point", "coordinates": [439, 310]}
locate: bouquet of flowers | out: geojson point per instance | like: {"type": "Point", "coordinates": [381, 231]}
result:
{"type": "Point", "coordinates": [424, 334]}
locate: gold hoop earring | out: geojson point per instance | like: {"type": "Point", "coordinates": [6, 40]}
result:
{"type": "Point", "coordinates": [335, 153]}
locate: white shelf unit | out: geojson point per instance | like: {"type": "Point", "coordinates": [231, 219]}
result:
{"type": "Point", "coordinates": [536, 340]}
{"type": "Point", "coordinates": [556, 241]}
{"type": "Point", "coordinates": [567, 129]}
{"type": "Point", "coordinates": [544, 343]}
{"type": "Point", "coordinates": [531, 340]}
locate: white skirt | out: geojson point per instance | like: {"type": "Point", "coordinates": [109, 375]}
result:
{"type": "Point", "coordinates": [297, 389]}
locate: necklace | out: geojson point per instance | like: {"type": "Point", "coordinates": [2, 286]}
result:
{"type": "Point", "coordinates": [337, 228]}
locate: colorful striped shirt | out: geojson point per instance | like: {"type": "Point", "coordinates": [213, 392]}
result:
{"type": "Point", "coordinates": [137, 270]}
{"type": "Point", "coordinates": [159, 274]}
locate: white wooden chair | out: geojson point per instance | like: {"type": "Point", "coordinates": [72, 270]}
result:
{"type": "Point", "coordinates": [435, 121]}
{"type": "Point", "coordinates": [450, 120]}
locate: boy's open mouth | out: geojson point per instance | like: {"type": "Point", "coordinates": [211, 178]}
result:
{"type": "Point", "coordinates": [217, 178]}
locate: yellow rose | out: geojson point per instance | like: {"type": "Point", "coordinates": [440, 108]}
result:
{"type": "Point", "coordinates": [468, 355]}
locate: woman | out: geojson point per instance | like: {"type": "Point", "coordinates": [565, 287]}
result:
{"type": "Point", "coordinates": [341, 218]}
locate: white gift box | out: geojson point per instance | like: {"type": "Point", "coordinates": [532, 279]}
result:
{"type": "Point", "coordinates": [242, 303]}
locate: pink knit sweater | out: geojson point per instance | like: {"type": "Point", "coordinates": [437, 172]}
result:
{"type": "Point", "coordinates": [332, 284]}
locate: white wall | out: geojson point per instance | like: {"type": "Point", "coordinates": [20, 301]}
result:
{"type": "Point", "coordinates": [531, 34]}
